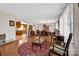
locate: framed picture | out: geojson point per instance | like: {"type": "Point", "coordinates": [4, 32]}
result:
{"type": "Point", "coordinates": [11, 23]}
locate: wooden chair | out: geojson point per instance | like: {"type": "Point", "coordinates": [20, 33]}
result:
{"type": "Point", "coordinates": [62, 51]}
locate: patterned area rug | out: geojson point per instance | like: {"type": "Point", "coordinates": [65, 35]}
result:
{"type": "Point", "coordinates": [26, 49]}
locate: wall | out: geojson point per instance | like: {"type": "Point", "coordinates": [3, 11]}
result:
{"type": "Point", "coordinates": [4, 26]}
{"type": "Point", "coordinates": [76, 28]}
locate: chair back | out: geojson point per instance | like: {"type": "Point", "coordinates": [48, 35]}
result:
{"type": "Point", "coordinates": [67, 45]}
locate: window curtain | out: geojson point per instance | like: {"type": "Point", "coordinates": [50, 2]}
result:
{"type": "Point", "coordinates": [66, 22]}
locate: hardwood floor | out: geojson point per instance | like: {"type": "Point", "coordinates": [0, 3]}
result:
{"type": "Point", "coordinates": [10, 49]}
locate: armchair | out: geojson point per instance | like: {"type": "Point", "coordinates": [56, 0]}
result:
{"type": "Point", "coordinates": [62, 51]}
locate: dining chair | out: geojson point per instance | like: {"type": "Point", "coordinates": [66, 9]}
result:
{"type": "Point", "coordinates": [61, 51]}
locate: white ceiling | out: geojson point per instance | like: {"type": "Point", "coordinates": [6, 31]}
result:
{"type": "Point", "coordinates": [34, 12]}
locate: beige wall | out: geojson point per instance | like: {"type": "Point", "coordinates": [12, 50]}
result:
{"type": "Point", "coordinates": [4, 26]}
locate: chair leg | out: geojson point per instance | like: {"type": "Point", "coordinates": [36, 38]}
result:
{"type": "Point", "coordinates": [50, 52]}
{"type": "Point", "coordinates": [67, 53]}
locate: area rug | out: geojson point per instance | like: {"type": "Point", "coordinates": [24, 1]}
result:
{"type": "Point", "coordinates": [26, 49]}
